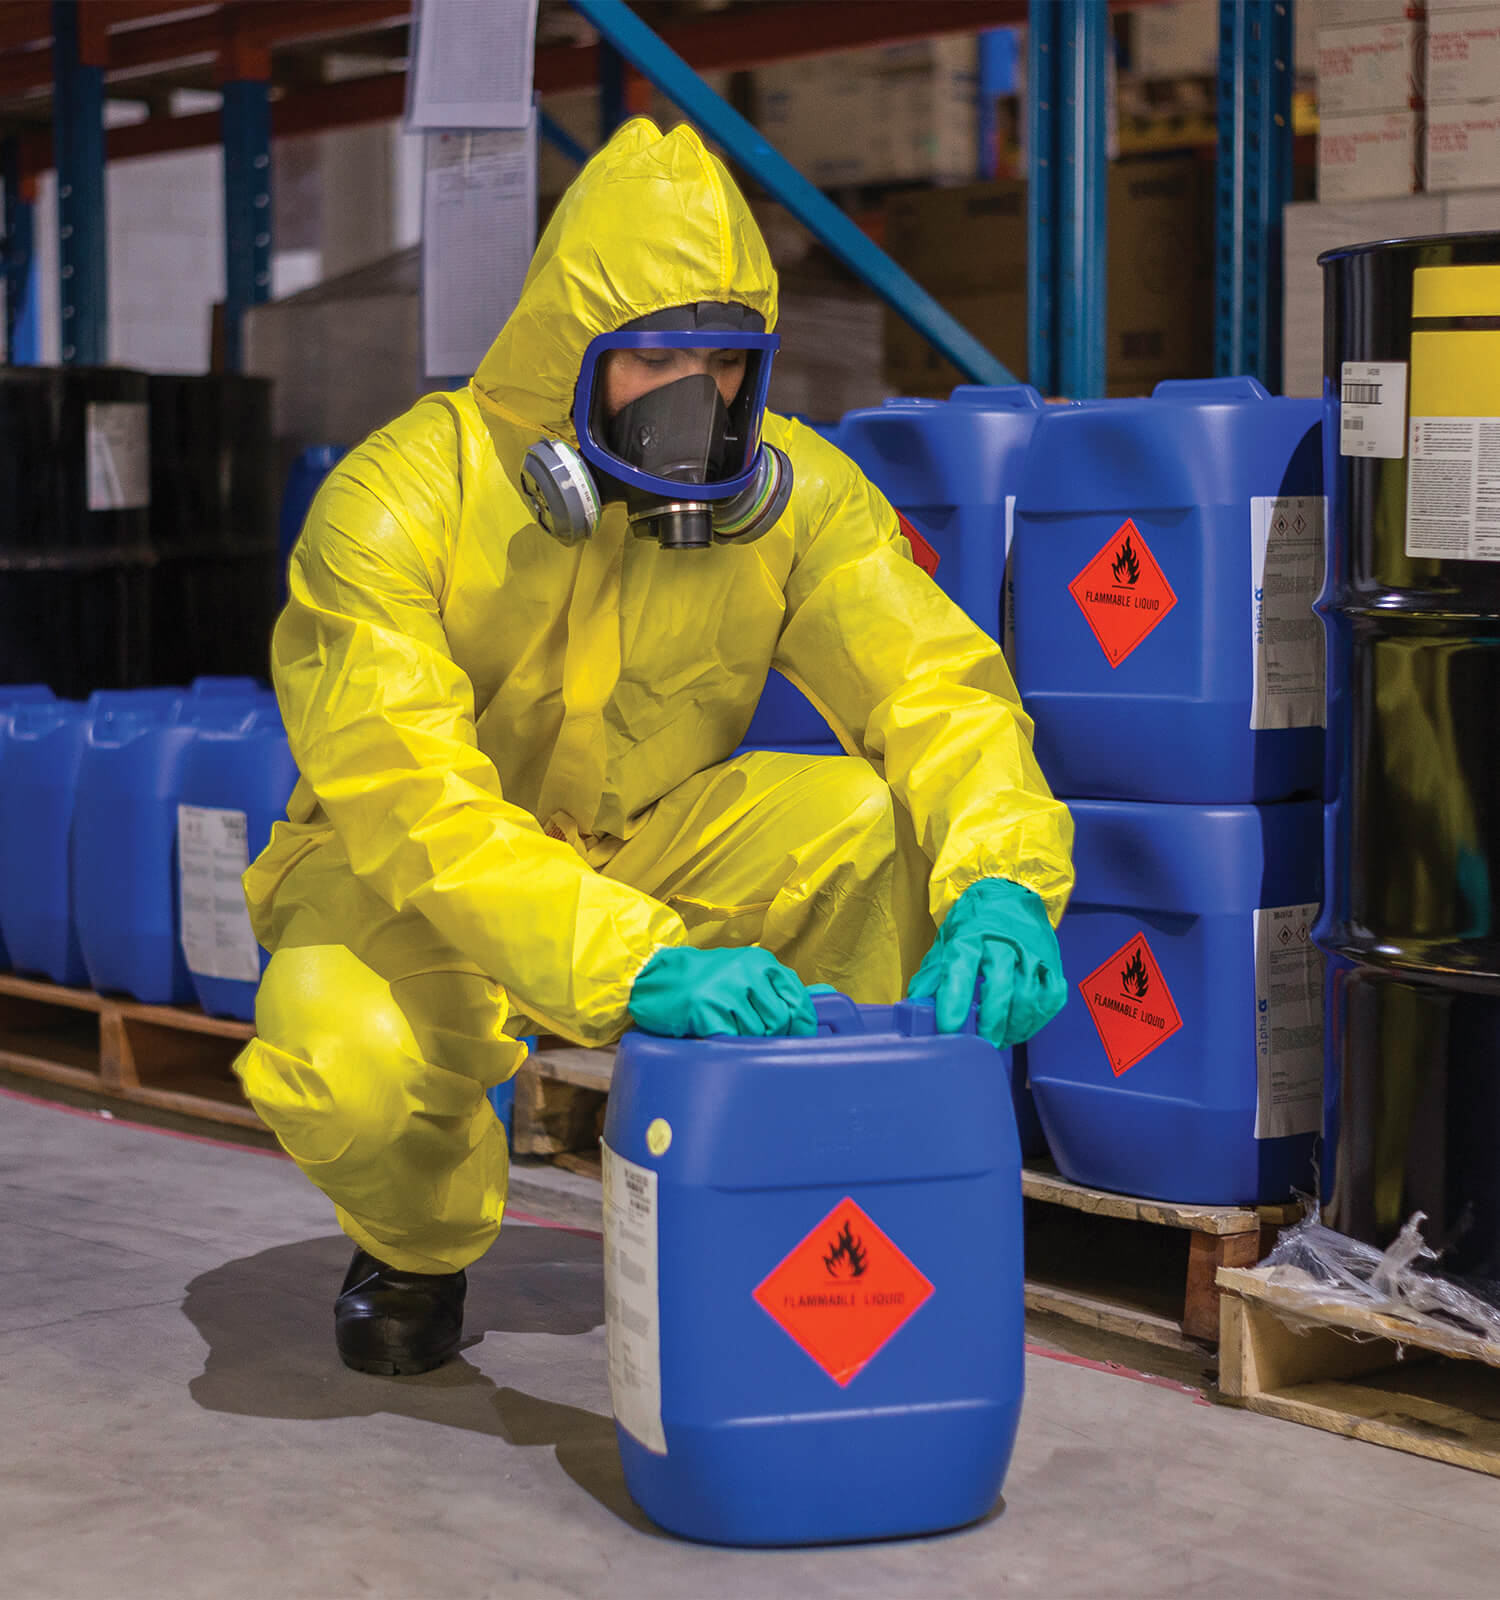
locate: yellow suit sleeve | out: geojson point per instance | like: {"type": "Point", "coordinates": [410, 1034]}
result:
{"type": "Point", "coordinates": [381, 722]}
{"type": "Point", "coordinates": [906, 678]}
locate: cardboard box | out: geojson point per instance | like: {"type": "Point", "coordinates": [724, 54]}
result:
{"type": "Point", "coordinates": [875, 116]}
{"type": "Point", "coordinates": [1178, 40]}
{"type": "Point", "coordinates": [1375, 66]}
{"type": "Point", "coordinates": [1309, 229]}
{"type": "Point", "coordinates": [1463, 145]}
{"type": "Point", "coordinates": [1369, 156]}
{"type": "Point", "coordinates": [1351, 13]}
{"type": "Point", "coordinates": [968, 247]}
{"type": "Point", "coordinates": [1463, 55]}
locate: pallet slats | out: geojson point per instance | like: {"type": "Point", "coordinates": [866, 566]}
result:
{"type": "Point", "coordinates": [1358, 1373]}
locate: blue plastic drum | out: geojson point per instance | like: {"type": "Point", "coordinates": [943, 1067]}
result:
{"type": "Point", "coordinates": [814, 1296]}
{"type": "Point", "coordinates": [1166, 557]}
{"type": "Point", "coordinates": [12, 695]}
{"type": "Point", "coordinates": [44, 749]}
{"type": "Point", "coordinates": [124, 833]}
{"type": "Point", "coordinates": [1187, 1063]}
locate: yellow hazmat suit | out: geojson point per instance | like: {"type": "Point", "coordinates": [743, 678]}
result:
{"type": "Point", "coordinates": [517, 762]}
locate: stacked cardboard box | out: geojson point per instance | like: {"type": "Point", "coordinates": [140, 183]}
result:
{"type": "Point", "coordinates": [1370, 97]}
{"type": "Point", "coordinates": [967, 246]}
{"type": "Point", "coordinates": [1463, 94]}
{"type": "Point", "coordinates": [897, 113]}
{"type": "Point", "coordinates": [1309, 230]}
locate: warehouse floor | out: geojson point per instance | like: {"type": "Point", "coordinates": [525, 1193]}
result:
{"type": "Point", "coordinates": [175, 1423]}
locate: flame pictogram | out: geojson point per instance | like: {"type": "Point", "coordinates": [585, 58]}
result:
{"type": "Point", "coordinates": [848, 1258]}
{"type": "Point", "coordinates": [1126, 568]}
{"type": "Point", "coordinates": [1134, 979]}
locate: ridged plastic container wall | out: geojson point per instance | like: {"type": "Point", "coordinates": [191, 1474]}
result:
{"type": "Point", "coordinates": [815, 1298]}
{"type": "Point", "coordinates": [949, 467]}
{"type": "Point", "coordinates": [1166, 558]}
{"type": "Point", "coordinates": [75, 533]}
{"type": "Point", "coordinates": [1187, 1063]}
{"type": "Point", "coordinates": [1412, 611]}
{"type": "Point", "coordinates": [124, 881]}
{"type": "Point", "coordinates": [44, 748]}
{"type": "Point", "coordinates": [12, 695]}
{"type": "Point", "coordinates": [244, 774]}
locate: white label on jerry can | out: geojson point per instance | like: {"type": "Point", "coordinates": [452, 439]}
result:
{"type": "Point", "coordinates": [119, 455]}
{"type": "Point", "coordinates": [212, 854]}
{"type": "Point", "coordinates": [1288, 1023]}
{"type": "Point", "coordinates": [632, 1299]}
{"type": "Point", "coordinates": [1372, 409]}
{"type": "Point", "coordinates": [1286, 572]}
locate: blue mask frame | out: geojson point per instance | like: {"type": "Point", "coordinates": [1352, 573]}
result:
{"type": "Point", "coordinates": [753, 391]}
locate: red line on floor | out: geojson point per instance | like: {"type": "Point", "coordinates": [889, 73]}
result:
{"type": "Point", "coordinates": [1114, 1369]}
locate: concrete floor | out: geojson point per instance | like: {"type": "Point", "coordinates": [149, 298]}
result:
{"type": "Point", "coordinates": [174, 1422]}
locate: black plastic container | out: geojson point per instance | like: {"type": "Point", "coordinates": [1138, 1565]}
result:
{"type": "Point", "coordinates": [74, 527]}
{"type": "Point", "coordinates": [215, 580]}
{"type": "Point", "coordinates": [1412, 612]}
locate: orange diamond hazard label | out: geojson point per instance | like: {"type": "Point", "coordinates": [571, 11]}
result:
{"type": "Point", "coordinates": [843, 1291]}
{"type": "Point", "coordinates": [1130, 1004]}
{"type": "Point", "coordinates": [1122, 593]}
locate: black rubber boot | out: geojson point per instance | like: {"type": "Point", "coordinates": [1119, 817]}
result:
{"type": "Point", "coordinates": [397, 1323]}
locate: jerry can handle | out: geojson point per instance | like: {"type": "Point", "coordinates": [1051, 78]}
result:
{"type": "Point", "coordinates": [1242, 387]}
{"type": "Point", "coordinates": [837, 1013]}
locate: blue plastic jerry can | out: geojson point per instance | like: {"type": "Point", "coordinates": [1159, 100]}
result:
{"type": "Point", "coordinates": [813, 1297]}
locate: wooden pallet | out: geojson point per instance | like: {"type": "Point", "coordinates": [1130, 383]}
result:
{"type": "Point", "coordinates": [1143, 1268]}
{"type": "Point", "coordinates": [1355, 1372]}
{"type": "Point", "coordinates": [175, 1060]}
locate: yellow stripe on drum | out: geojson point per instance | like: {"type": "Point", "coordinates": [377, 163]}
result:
{"type": "Point", "coordinates": [1456, 292]}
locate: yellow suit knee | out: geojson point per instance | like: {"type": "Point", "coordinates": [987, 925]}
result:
{"type": "Point", "coordinates": [334, 1053]}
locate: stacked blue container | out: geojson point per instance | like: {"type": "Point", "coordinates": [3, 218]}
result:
{"type": "Point", "coordinates": [44, 749]}
{"type": "Point", "coordinates": [11, 696]}
{"type": "Point", "coordinates": [1167, 555]}
{"type": "Point", "coordinates": [124, 834]}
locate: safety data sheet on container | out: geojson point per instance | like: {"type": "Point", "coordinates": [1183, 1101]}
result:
{"type": "Point", "coordinates": [213, 852]}
{"type": "Point", "coordinates": [1288, 1022]}
{"type": "Point", "coordinates": [632, 1299]}
{"type": "Point", "coordinates": [1453, 488]}
{"type": "Point", "coordinates": [1286, 573]}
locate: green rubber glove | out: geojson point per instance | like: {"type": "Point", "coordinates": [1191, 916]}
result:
{"type": "Point", "coordinates": [998, 932]}
{"type": "Point", "coordinates": [690, 994]}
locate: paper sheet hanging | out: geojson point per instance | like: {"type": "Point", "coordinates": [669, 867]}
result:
{"type": "Point", "coordinates": [478, 233]}
{"type": "Point", "coordinates": [472, 66]}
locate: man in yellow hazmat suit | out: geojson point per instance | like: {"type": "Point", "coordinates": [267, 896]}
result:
{"type": "Point", "coordinates": [528, 625]}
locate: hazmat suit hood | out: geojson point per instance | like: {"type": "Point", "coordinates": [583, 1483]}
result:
{"type": "Point", "coordinates": [654, 220]}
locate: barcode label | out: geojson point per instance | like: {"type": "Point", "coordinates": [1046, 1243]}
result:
{"type": "Point", "coordinates": [1372, 418]}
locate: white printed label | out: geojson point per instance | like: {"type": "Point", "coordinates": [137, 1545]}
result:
{"type": "Point", "coordinates": [1286, 572]}
{"type": "Point", "coordinates": [212, 854]}
{"type": "Point", "coordinates": [1453, 488]}
{"type": "Point", "coordinates": [1008, 588]}
{"type": "Point", "coordinates": [119, 456]}
{"type": "Point", "coordinates": [632, 1300]}
{"type": "Point", "coordinates": [1288, 1023]}
{"type": "Point", "coordinates": [1372, 409]}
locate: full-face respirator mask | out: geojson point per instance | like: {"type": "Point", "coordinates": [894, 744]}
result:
{"type": "Point", "coordinates": [691, 469]}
